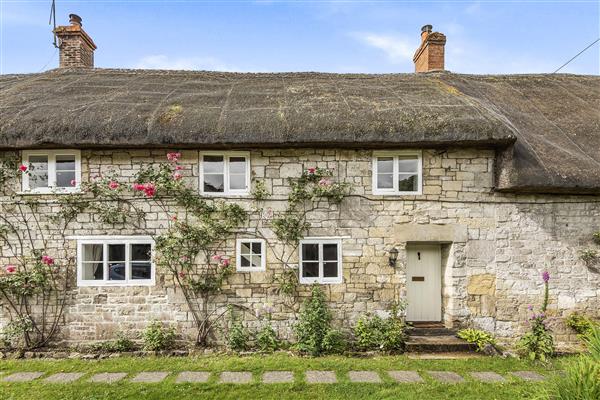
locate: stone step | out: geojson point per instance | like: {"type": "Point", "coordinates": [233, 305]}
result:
{"type": "Point", "coordinates": [417, 331]}
{"type": "Point", "coordinates": [437, 344]}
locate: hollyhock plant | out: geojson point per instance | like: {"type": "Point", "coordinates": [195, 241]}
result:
{"type": "Point", "coordinates": [546, 276]}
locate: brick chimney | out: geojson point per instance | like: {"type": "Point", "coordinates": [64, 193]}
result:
{"type": "Point", "coordinates": [430, 54]}
{"type": "Point", "coordinates": [76, 47]}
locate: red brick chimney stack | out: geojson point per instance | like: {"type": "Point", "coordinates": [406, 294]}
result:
{"type": "Point", "coordinates": [430, 54]}
{"type": "Point", "coordinates": [76, 46]}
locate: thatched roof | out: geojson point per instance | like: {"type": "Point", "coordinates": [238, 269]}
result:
{"type": "Point", "coordinates": [553, 118]}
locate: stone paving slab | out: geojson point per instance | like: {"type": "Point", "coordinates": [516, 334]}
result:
{"type": "Point", "coordinates": [364, 376]}
{"type": "Point", "coordinates": [405, 376]}
{"type": "Point", "coordinates": [108, 377]}
{"type": "Point", "coordinates": [278, 377]}
{"type": "Point", "coordinates": [236, 377]}
{"type": "Point", "coordinates": [149, 377]}
{"type": "Point", "coordinates": [489, 377]}
{"type": "Point", "coordinates": [528, 376]}
{"type": "Point", "coordinates": [64, 377]}
{"type": "Point", "coordinates": [321, 377]}
{"type": "Point", "coordinates": [446, 376]}
{"type": "Point", "coordinates": [192, 377]}
{"type": "Point", "coordinates": [23, 376]}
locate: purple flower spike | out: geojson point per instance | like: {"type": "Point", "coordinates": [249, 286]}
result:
{"type": "Point", "coordinates": [546, 276]}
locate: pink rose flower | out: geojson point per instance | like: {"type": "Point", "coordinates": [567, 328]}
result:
{"type": "Point", "coordinates": [173, 157]}
{"type": "Point", "coordinates": [178, 168]}
{"type": "Point", "coordinates": [311, 170]}
{"type": "Point", "coordinates": [113, 185]}
{"type": "Point", "coordinates": [149, 189]}
{"type": "Point", "coordinates": [225, 262]}
{"type": "Point", "coordinates": [10, 269]}
{"type": "Point", "coordinates": [216, 257]}
{"type": "Point", "coordinates": [177, 176]}
{"type": "Point", "coordinates": [182, 274]}
{"type": "Point", "coordinates": [174, 218]}
{"type": "Point", "coordinates": [138, 187]}
{"type": "Point", "coordinates": [73, 182]}
{"type": "Point", "coordinates": [47, 260]}
{"type": "Point", "coordinates": [22, 167]}
{"type": "Point", "coordinates": [324, 182]}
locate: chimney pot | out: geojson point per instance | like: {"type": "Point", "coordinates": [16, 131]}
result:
{"type": "Point", "coordinates": [430, 54]}
{"type": "Point", "coordinates": [76, 46]}
{"type": "Point", "coordinates": [75, 20]}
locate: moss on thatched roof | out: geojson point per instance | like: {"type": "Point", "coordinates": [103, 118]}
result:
{"type": "Point", "coordinates": [553, 118]}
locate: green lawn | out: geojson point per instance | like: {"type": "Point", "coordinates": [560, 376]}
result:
{"type": "Point", "coordinates": [80, 390]}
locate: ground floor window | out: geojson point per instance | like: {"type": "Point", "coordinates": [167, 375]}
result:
{"type": "Point", "coordinates": [320, 261]}
{"type": "Point", "coordinates": [115, 261]}
{"type": "Point", "coordinates": [250, 255]}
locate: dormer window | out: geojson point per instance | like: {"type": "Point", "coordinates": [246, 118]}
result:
{"type": "Point", "coordinates": [51, 171]}
{"type": "Point", "coordinates": [397, 173]}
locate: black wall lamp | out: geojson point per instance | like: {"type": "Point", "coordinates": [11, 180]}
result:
{"type": "Point", "coordinates": [393, 256]}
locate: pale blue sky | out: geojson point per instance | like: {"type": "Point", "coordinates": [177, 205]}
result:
{"type": "Point", "coordinates": [333, 36]}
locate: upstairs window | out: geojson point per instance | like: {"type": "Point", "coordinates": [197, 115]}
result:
{"type": "Point", "coordinates": [320, 261]}
{"type": "Point", "coordinates": [120, 262]}
{"type": "Point", "coordinates": [51, 171]}
{"type": "Point", "coordinates": [225, 173]}
{"type": "Point", "coordinates": [397, 173]}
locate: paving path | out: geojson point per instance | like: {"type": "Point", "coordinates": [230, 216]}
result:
{"type": "Point", "coordinates": [274, 377]}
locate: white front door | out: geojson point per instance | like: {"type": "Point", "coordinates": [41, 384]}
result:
{"type": "Point", "coordinates": [424, 283]}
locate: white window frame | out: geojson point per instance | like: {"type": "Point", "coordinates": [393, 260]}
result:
{"type": "Point", "coordinates": [52, 154]}
{"type": "Point", "coordinates": [396, 155]}
{"type": "Point", "coordinates": [238, 255]}
{"type": "Point", "coordinates": [105, 241]}
{"type": "Point", "coordinates": [226, 155]}
{"type": "Point", "coordinates": [320, 278]}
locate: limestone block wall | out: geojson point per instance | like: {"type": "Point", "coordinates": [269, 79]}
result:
{"type": "Point", "coordinates": [494, 246]}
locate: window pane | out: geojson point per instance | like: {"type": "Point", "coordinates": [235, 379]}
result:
{"type": "Point", "coordinates": [92, 271]}
{"type": "Point", "coordinates": [245, 248]}
{"type": "Point", "coordinates": [385, 181]}
{"type": "Point", "coordinates": [257, 248]}
{"type": "Point", "coordinates": [140, 252]}
{"type": "Point", "coordinates": [64, 178]}
{"type": "Point", "coordinates": [330, 252]}
{"type": "Point", "coordinates": [38, 163]}
{"type": "Point", "coordinates": [245, 260]}
{"type": "Point", "coordinates": [65, 163]}
{"type": "Point", "coordinates": [237, 165]}
{"type": "Point", "coordinates": [310, 252]}
{"type": "Point", "coordinates": [256, 261]}
{"type": "Point", "coordinates": [408, 164]}
{"type": "Point", "coordinates": [38, 171]}
{"type": "Point", "coordinates": [141, 270]}
{"type": "Point", "coordinates": [407, 183]}
{"type": "Point", "coordinates": [116, 252]}
{"type": "Point", "coordinates": [237, 182]}
{"type": "Point", "coordinates": [310, 270]}
{"type": "Point", "coordinates": [330, 270]}
{"type": "Point", "coordinates": [38, 179]}
{"type": "Point", "coordinates": [116, 271]}
{"type": "Point", "coordinates": [213, 183]}
{"type": "Point", "coordinates": [92, 252]}
{"type": "Point", "coordinates": [213, 164]}
{"type": "Point", "coordinates": [385, 165]}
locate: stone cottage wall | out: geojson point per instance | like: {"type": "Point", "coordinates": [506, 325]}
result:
{"type": "Point", "coordinates": [494, 246]}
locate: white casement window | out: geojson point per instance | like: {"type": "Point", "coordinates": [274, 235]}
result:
{"type": "Point", "coordinates": [224, 173]}
{"type": "Point", "coordinates": [320, 261]}
{"type": "Point", "coordinates": [51, 171]}
{"type": "Point", "coordinates": [398, 172]}
{"type": "Point", "coordinates": [115, 261]}
{"type": "Point", "coordinates": [251, 255]}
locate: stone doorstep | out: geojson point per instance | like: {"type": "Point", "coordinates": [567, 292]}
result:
{"type": "Point", "coordinates": [446, 376]}
{"type": "Point", "coordinates": [235, 377]}
{"type": "Point", "coordinates": [64, 377]}
{"type": "Point", "coordinates": [149, 377]}
{"type": "Point", "coordinates": [488, 377]}
{"type": "Point", "coordinates": [23, 376]}
{"type": "Point", "coordinates": [364, 376]}
{"type": "Point", "coordinates": [108, 377]}
{"type": "Point", "coordinates": [192, 377]}
{"type": "Point", "coordinates": [528, 376]}
{"type": "Point", "coordinates": [320, 377]}
{"type": "Point", "coordinates": [406, 376]}
{"type": "Point", "coordinates": [278, 377]}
